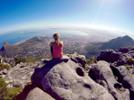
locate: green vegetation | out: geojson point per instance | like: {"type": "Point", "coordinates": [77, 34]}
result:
{"type": "Point", "coordinates": [32, 59]}
{"type": "Point", "coordinates": [19, 59]}
{"type": "Point", "coordinates": [4, 66]}
{"type": "Point", "coordinates": [129, 67]}
{"type": "Point", "coordinates": [3, 89]}
{"type": "Point", "coordinates": [28, 59]}
{"type": "Point", "coordinates": [8, 93]}
{"type": "Point", "coordinates": [11, 93]}
{"type": "Point", "coordinates": [130, 60]}
{"type": "Point", "coordinates": [91, 60]}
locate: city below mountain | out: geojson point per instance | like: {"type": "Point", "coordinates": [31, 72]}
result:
{"type": "Point", "coordinates": [39, 46]}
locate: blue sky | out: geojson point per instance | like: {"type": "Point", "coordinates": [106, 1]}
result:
{"type": "Point", "coordinates": [105, 14]}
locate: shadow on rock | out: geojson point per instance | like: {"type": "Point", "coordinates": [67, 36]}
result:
{"type": "Point", "coordinates": [37, 77]}
{"type": "Point", "coordinates": [24, 93]}
{"type": "Point", "coordinates": [39, 73]}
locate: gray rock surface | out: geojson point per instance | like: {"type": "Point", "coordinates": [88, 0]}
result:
{"type": "Point", "coordinates": [38, 94]}
{"type": "Point", "coordinates": [68, 81]}
{"type": "Point", "coordinates": [20, 75]}
{"type": "Point", "coordinates": [109, 55]}
{"type": "Point", "coordinates": [122, 67]}
{"type": "Point", "coordinates": [117, 57]}
{"type": "Point", "coordinates": [102, 74]}
{"type": "Point", "coordinates": [126, 77]}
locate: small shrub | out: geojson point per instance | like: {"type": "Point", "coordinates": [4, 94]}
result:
{"type": "Point", "coordinates": [28, 59]}
{"type": "Point", "coordinates": [8, 93]}
{"type": "Point", "coordinates": [130, 61]}
{"type": "Point", "coordinates": [19, 59]}
{"type": "Point", "coordinates": [4, 66]}
{"type": "Point", "coordinates": [12, 92]}
{"type": "Point", "coordinates": [129, 67]}
{"type": "Point", "coordinates": [91, 60]}
{"type": "Point", "coordinates": [3, 88]}
{"type": "Point", "coordinates": [31, 59]}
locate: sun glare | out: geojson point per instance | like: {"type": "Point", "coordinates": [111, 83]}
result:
{"type": "Point", "coordinates": [109, 1]}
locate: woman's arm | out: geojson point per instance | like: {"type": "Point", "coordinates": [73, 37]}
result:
{"type": "Point", "coordinates": [62, 44]}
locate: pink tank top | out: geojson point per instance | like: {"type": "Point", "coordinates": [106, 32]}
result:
{"type": "Point", "coordinates": [57, 50]}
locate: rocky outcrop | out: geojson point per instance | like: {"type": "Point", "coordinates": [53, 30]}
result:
{"type": "Point", "coordinates": [109, 55]}
{"type": "Point", "coordinates": [20, 75]}
{"type": "Point", "coordinates": [68, 81]}
{"type": "Point", "coordinates": [102, 74]}
{"type": "Point", "coordinates": [122, 67]}
{"type": "Point", "coordinates": [126, 77]}
{"type": "Point", "coordinates": [119, 57]}
{"type": "Point", "coordinates": [124, 50]}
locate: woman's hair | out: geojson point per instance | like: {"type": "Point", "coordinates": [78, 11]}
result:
{"type": "Point", "coordinates": [56, 36]}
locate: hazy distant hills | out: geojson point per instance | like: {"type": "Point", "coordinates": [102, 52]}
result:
{"type": "Point", "coordinates": [116, 43]}
{"type": "Point", "coordinates": [36, 46]}
{"type": "Point", "coordinates": [91, 35]}
{"type": "Point", "coordinates": [125, 41]}
{"type": "Point", "coordinates": [84, 41]}
{"type": "Point", "coordinates": [39, 46]}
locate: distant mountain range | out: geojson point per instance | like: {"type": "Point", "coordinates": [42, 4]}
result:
{"type": "Point", "coordinates": [116, 43]}
{"type": "Point", "coordinates": [85, 34]}
{"type": "Point", "coordinates": [121, 42]}
{"type": "Point", "coordinates": [39, 46]}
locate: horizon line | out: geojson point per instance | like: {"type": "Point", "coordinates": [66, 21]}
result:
{"type": "Point", "coordinates": [39, 26]}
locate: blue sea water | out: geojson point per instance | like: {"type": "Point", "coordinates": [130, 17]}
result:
{"type": "Point", "coordinates": [15, 37]}
{"type": "Point", "coordinates": [18, 36]}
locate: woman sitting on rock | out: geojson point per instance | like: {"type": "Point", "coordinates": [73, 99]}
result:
{"type": "Point", "coordinates": [56, 47]}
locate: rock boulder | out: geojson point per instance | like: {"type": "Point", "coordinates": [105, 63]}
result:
{"type": "Point", "coordinates": [68, 81]}
{"type": "Point", "coordinates": [38, 94]}
{"type": "Point", "coordinates": [102, 74]}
